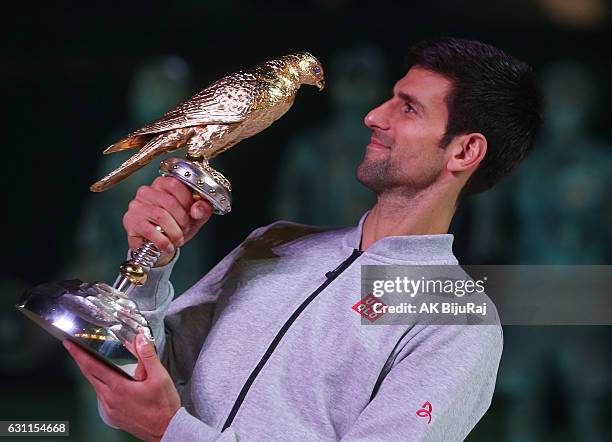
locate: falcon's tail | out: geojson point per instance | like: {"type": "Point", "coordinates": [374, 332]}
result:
{"type": "Point", "coordinates": [129, 142]}
{"type": "Point", "coordinates": [152, 149]}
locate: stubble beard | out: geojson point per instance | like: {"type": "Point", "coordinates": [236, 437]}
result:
{"type": "Point", "coordinates": [384, 177]}
{"type": "Point", "coordinates": [375, 175]}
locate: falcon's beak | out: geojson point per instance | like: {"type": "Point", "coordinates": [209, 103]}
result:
{"type": "Point", "coordinates": [321, 84]}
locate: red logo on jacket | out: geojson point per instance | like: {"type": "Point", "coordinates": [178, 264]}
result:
{"type": "Point", "coordinates": [365, 307]}
{"type": "Point", "coordinates": [425, 411]}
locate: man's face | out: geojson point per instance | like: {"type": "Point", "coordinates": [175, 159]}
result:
{"type": "Point", "coordinates": [404, 150]}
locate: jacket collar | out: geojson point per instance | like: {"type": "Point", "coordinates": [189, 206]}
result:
{"type": "Point", "coordinates": [406, 248]}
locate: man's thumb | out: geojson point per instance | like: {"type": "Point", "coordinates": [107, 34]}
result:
{"type": "Point", "coordinates": [147, 354]}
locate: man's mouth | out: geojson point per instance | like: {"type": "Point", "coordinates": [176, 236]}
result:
{"type": "Point", "coordinates": [375, 143]}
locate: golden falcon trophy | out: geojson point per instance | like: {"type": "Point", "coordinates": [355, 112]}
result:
{"type": "Point", "coordinates": [102, 318]}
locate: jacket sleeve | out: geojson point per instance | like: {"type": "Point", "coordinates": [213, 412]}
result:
{"type": "Point", "coordinates": [185, 427]}
{"type": "Point", "coordinates": [152, 300]}
{"type": "Point", "coordinates": [440, 385]}
{"type": "Point", "coordinates": [179, 328]}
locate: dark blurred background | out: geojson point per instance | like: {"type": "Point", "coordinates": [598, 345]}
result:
{"type": "Point", "coordinates": [77, 76]}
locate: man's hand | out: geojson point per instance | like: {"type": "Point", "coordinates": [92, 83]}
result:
{"type": "Point", "coordinates": [169, 204]}
{"type": "Point", "coordinates": [143, 407]}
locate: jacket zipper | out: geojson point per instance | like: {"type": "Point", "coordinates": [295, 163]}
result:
{"type": "Point", "coordinates": [245, 388]}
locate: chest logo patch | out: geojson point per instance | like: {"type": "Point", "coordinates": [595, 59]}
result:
{"type": "Point", "coordinates": [365, 307]}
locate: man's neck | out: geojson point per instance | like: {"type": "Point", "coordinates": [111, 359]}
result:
{"type": "Point", "coordinates": [425, 213]}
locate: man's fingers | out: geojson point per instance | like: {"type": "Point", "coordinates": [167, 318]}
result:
{"type": "Point", "coordinates": [166, 201]}
{"type": "Point", "coordinates": [167, 204]}
{"type": "Point", "coordinates": [140, 222]}
{"type": "Point", "coordinates": [88, 366]}
{"type": "Point", "coordinates": [142, 216]}
{"type": "Point", "coordinates": [174, 187]}
{"type": "Point", "coordinates": [100, 387]}
{"type": "Point", "coordinates": [201, 211]}
{"type": "Point", "coordinates": [160, 217]}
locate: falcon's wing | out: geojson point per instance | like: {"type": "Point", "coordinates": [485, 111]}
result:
{"type": "Point", "coordinates": [228, 100]}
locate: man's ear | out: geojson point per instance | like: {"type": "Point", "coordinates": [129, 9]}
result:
{"type": "Point", "coordinates": [466, 152]}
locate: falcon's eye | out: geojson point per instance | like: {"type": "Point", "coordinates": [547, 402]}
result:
{"type": "Point", "coordinates": [316, 70]}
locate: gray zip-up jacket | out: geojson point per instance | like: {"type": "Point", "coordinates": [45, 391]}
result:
{"type": "Point", "coordinates": [267, 347]}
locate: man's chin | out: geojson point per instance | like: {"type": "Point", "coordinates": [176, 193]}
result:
{"type": "Point", "coordinates": [373, 175]}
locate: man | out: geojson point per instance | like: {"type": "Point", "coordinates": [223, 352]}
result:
{"type": "Point", "coordinates": [266, 345]}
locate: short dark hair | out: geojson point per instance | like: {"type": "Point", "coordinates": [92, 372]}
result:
{"type": "Point", "coordinates": [493, 93]}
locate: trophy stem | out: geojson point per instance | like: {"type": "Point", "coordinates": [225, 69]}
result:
{"type": "Point", "coordinates": [133, 272]}
{"type": "Point", "coordinates": [124, 285]}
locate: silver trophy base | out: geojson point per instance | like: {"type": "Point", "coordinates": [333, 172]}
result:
{"type": "Point", "coordinates": [96, 317]}
{"type": "Point", "coordinates": [102, 319]}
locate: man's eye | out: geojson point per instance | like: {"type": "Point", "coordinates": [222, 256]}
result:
{"type": "Point", "coordinates": [409, 109]}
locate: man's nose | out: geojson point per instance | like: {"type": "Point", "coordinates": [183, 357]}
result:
{"type": "Point", "coordinates": [377, 117]}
